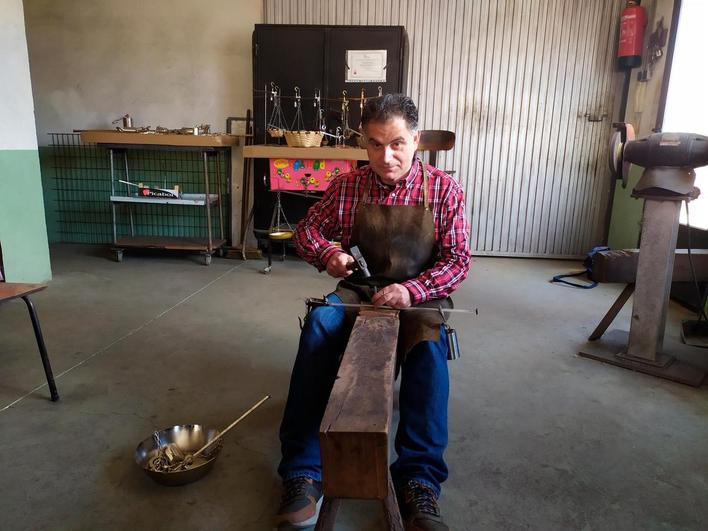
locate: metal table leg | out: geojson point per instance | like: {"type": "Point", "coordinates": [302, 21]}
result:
{"type": "Point", "coordinates": [269, 267]}
{"type": "Point", "coordinates": [612, 312]}
{"type": "Point", "coordinates": [130, 207]}
{"type": "Point", "coordinates": [218, 194]}
{"type": "Point", "coordinates": [207, 198]}
{"type": "Point", "coordinates": [42, 349]}
{"type": "Point", "coordinates": [113, 192]}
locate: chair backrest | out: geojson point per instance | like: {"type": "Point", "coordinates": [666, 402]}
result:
{"type": "Point", "coordinates": [434, 140]}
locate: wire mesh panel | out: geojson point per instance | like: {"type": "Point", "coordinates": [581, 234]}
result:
{"type": "Point", "coordinates": [80, 187]}
{"type": "Point", "coordinates": [165, 169]}
{"type": "Point", "coordinates": [82, 190]}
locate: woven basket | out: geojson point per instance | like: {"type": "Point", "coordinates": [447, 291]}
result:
{"type": "Point", "coordinates": [303, 138]}
{"type": "Point", "coordinates": [276, 132]}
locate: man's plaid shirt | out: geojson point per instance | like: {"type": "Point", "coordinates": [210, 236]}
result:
{"type": "Point", "coordinates": [335, 213]}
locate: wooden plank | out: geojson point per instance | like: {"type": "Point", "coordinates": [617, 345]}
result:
{"type": "Point", "coordinates": [392, 512]}
{"type": "Point", "coordinates": [102, 136]}
{"type": "Point", "coordinates": [328, 514]}
{"type": "Point", "coordinates": [354, 432]}
{"type": "Point", "coordinates": [305, 153]}
{"type": "Point", "coordinates": [621, 265]}
{"type": "Point", "coordinates": [13, 290]}
{"type": "Point", "coordinates": [169, 242]}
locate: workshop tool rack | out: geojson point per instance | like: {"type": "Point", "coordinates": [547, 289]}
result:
{"type": "Point", "coordinates": [134, 217]}
{"type": "Point", "coordinates": [78, 189]}
{"type": "Point", "coordinates": [193, 162]}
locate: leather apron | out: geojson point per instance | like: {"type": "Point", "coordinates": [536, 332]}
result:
{"type": "Point", "coordinates": [398, 243]}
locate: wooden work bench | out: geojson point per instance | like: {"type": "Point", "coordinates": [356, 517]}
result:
{"type": "Point", "coordinates": [111, 136]}
{"type": "Point", "coordinates": [307, 153]}
{"type": "Point", "coordinates": [208, 145]}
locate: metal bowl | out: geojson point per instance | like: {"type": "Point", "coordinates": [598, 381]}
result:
{"type": "Point", "coordinates": [189, 438]}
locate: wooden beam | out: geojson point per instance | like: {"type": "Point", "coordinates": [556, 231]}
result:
{"type": "Point", "coordinates": [354, 432]}
{"type": "Point", "coordinates": [103, 136]}
{"type": "Point", "coordinates": [621, 266]}
{"type": "Point", "coordinates": [260, 151]}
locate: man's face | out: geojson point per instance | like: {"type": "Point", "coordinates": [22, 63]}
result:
{"type": "Point", "coordinates": [391, 146]}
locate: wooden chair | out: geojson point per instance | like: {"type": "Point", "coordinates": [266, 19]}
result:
{"type": "Point", "coordinates": [9, 291]}
{"type": "Point", "coordinates": [434, 140]}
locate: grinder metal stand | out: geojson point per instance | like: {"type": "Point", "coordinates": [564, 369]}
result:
{"type": "Point", "coordinates": [668, 178]}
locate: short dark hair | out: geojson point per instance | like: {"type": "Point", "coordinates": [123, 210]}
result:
{"type": "Point", "coordinates": [388, 106]}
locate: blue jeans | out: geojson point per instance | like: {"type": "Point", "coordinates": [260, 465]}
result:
{"type": "Point", "coordinates": [421, 437]}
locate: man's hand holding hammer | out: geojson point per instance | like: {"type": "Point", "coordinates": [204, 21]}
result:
{"type": "Point", "coordinates": [397, 296]}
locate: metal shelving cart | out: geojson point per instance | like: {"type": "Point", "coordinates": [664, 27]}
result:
{"type": "Point", "coordinates": [126, 197]}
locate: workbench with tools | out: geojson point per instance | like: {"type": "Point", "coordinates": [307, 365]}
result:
{"type": "Point", "coordinates": [134, 190]}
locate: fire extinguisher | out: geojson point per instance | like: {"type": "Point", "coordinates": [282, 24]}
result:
{"type": "Point", "coordinates": [631, 36]}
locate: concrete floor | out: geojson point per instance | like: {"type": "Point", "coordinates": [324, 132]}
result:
{"type": "Point", "coordinates": [539, 438]}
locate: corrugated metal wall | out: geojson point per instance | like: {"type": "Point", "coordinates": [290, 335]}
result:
{"type": "Point", "coordinates": [521, 83]}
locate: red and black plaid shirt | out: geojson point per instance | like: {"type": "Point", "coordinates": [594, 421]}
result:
{"type": "Point", "coordinates": [334, 216]}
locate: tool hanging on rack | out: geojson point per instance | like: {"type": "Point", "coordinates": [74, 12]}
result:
{"type": "Point", "coordinates": [298, 136]}
{"type": "Point", "coordinates": [362, 102]}
{"type": "Point", "coordinates": [280, 228]}
{"type": "Point", "coordinates": [276, 123]}
{"type": "Point", "coordinates": [345, 113]}
{"type": "Point", "coordinates": [347, 131]}
{"type": "Point", "coordinates": [298, 123]}
{"type": "Point", "coordinates": [320, 124]}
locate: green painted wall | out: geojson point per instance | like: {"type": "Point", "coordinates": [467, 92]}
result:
{"type": "Point", "coordinates": [23, 230]}
{"type": "Point", "coordinates": [50, 194]}
{"type": "Point", "coordinates": [626, 214]}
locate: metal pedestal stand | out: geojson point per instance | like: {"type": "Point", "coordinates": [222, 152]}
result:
{"type": "Point", "coordinates": [642, 348]}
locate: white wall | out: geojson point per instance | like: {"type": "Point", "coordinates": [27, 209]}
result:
{"type": "Point", "coordinates": [16, 110]}
{"type": "Point", "coordinates": [23, 231]}
{"type": "Point", "coordinates": [173, 63]}
{"type": "Point", "coordinates": [644, 97]}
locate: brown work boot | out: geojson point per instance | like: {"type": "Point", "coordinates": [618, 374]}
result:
{"type": "Point", "coordinates": [419, 508]}
{"type": "Point", "coordinates": [300, 504]}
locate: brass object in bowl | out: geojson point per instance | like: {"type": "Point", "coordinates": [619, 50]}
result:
{"type": "Point", "coordinates": [188, 438]}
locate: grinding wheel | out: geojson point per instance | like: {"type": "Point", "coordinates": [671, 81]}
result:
{"type": "Point", "coordinates": [619, 168]}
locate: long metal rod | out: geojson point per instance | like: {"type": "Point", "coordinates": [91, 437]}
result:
{"type": "Point", "coordinates": [207, 445]}
{"type": "Point", "coordinates": [320, 302]}
{"type": "Point", "coordinates": [207, 197]}
{"type": "Point", "coordinates": [130, 207]}
{"type": "Point", "coordinates": [217, 157]}
{"type": "Point", "coordinates": [113, 205]}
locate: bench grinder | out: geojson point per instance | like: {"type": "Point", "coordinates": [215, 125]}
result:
{"type": "Point", "coordinates": [668, 179]}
